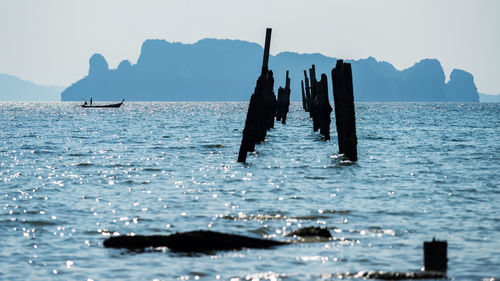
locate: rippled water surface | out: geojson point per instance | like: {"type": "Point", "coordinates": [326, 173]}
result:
{"type": "Point", "coordinates": [70, 177]}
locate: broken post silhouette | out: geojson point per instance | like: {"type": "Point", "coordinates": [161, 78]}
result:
{"type": "Point", "coordinates": [267, 47]}
{"type": "Point", "coordinates": [435, 255]}
{"type": "Point", "coordinates": [343, 96]}
{"type": "Point", "coordinates": [324, 108]}
{"type": "Point", "coordinates": [308, 94]}
{"type": "Point", "coordinates": [283, 103]}
{"type": "Point", "coordinates": [304, 105]}
{"type": "Point", "coordinates": [261, 109]}
{"type": "Point", "coordinates": [286, 105]}
{"type": "Point", "coordinates": [279, 103]}
{"type": "Point", "coordinates": [315, 101]}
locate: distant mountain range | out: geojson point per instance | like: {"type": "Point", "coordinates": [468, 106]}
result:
{"type": "Point", "coordinates": [226, 70]}
{"type": "Point", "coordinates": [489, 98]}
{"type": "Point", "coordinates": [15, 89]}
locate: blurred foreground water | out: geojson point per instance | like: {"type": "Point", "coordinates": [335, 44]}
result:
{"type": "Point", "coordinates": [70, 177]}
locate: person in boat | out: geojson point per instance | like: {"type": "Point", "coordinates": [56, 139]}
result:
{"type": "Point", "coordinates": [85, 104]}
{"type": "Point", "coordinates": [90, 101]}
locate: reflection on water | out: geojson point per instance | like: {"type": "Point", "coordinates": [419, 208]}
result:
{"type": "Point", "coordinates": [70, 178]}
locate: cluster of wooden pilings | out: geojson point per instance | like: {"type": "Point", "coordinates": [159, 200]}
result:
{"type": "Point", "coordinates": [283, 103]}
{"type": "Point", "coordinates": [315, 101]}
{"type": "Point", "coordinates": [262, 107]}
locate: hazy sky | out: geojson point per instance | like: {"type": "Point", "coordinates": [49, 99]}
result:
{"type": "Point", "coordinates": [50, 42]}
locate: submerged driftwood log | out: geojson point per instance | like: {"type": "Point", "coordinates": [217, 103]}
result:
{"type": "Point", "coordinates": [193, 241]}
{"type": "Point", "coordinates": [343, 95]}
{"type": "Point", "coordinates": [262, 107]}
{"type": "Point", "coordinates": [205, 240]}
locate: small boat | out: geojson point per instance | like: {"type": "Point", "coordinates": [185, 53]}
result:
{"type": "Point", "coordinates": [86, 105]}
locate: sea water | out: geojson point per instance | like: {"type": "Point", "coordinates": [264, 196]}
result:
{"type": "Point", "coordinates": [71, 177]}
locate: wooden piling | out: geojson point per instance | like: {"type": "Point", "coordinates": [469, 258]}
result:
{"type": "Point", "coordinates": [343, 95]}
{"type": "Point", "coordinates": [324, 108]}
{"type": "Point", "coordinates": [286, 99]}
{"type": "Point", "coordinates": [267, 47]}
{"type": "Point", "coordinates": [315, 100]}
{"type": "Point", "coordinates": [313, 81]}
{"type": "Point", "coordinates": [304, 104]}
{"type": "Point", "coordinates": [261, 109]}
{"type": "Point", "coordinates": [435, 255]}
{"type": "Point", "coordinates": [279, 104]}
{"type": "Point", "coordinates": [314, 110]}
{"type": "Point", "coordinates": [268, 103]}
{"type": "Point", "coordinates": [283, 103]}
{"type": "Point", "coordinates": [308, 94]}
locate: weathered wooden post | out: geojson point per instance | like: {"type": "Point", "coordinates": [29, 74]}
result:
{"type": "Point", "coordinates": [304, 104]}
{"type": "Point", "coordinates": [286, 99]}
{"type": "Point", "coordinates": [312, 74]}
{"type": "Point", "coordinates": [279, 104]}
{"type": "Point", "coordinates": [324, 107]}
{"type": "Point", "coordinates": [435, 255]}
{"type": "Point", "coordinates": [283, 102]}
{"type": "Point", "coordinates": [262, 107]}
{"type": "Point", "coordinates": [269, 104]}
{"type": "Point", "coordinates": [343, 95]}
{"type": "Point", "coordinates": [314, 109]}
{"type": "Point", "coordinates": [267, 46]}
{"type": "Point", "coordinates": [309, 100]}
{"type": "Point", "coordinates": [287, 81]}
{"type": "Point", "coordinates": [269, 99]}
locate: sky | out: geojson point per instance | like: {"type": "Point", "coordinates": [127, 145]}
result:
{"type": "Point", "coordinates": [50, 42]}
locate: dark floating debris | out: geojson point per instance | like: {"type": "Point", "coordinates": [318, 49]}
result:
{"type": "Point", "coordinates": [202, 241]}
{"type": "Point", "coordinates": [262, 107]}
{"type": "Point", "coordinates": [382, 275]}
{"type": "Point", "coordinates": [205, 240]}
{"type": "Point", "coordinates": [312, 231]}
{"type": "Point", "coordinates": [193, 241]}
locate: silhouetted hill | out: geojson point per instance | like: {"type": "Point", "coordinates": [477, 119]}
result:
{"type": "Point", "coordinates": [226, 70]}
{"type": "Point", "coordinates": [461, 87]}
{"type": "Point", "coordinates": [15, 89]}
